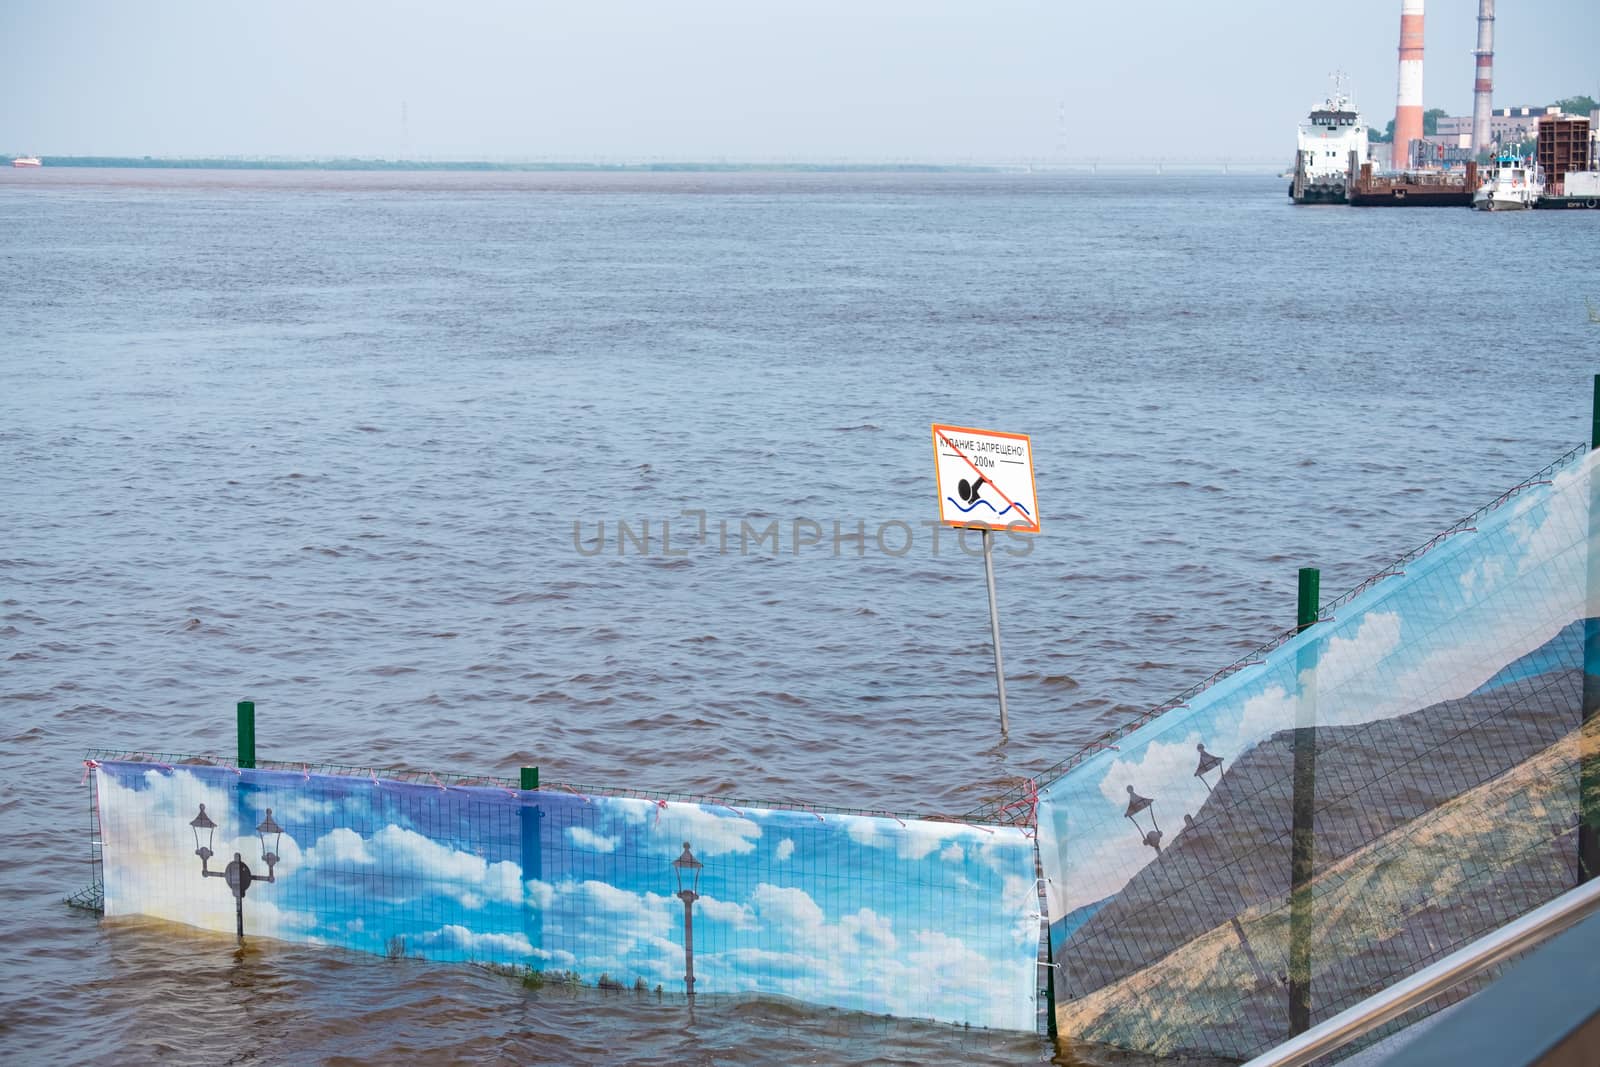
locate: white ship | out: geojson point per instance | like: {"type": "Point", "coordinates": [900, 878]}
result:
{"type": "Point", "coordinates": [1511, 184]}
{"type": "Point", "coordinates": [24, 161]}
{"type": "Point", "coordinates": [1331, 148]}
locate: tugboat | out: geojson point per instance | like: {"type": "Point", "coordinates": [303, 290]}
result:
{"type": "Point", "coordinates": [1512, 184]}
{"type": "Point", "coordinates": [1332, 142]}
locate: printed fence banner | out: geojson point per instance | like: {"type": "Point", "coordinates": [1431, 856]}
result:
{"type": "Point", "coordinates": [1390, 784]}
{"type": "Point", "coordinates": [921, 919]}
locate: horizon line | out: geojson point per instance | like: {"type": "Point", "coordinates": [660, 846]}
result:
{"type": "Point", "coordinates": [654, 163]}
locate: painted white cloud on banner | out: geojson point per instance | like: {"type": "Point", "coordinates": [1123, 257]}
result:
{"type": "Point", "coordinates": [916, 839]}
{"type": "Point", "coordinates": [615, 931]}
{"type": "Point", "coordinates": [798, 949]}
{"type": "Point", "coordinates": [788, 907]}
{"type": "Point", "coordinates": [431, 866]}
{"type": "Point", "coordinates": [663, 827]}
{"type": "Point", "coordinates": [455, 939]}
{"type": "Point", "coordinates": [590, 841]}
{"type": "Point", "coordinates": [290, 806]}
{"type": "Point", "coordinates": [1483, 577]}
{"type": "Point", "coordinates": [1550, 525]}
{"type": "Point", "coordinates": [738, 916]}
{"type": "Point", "coordinates": [540, 894]}
{"type": "Point", "coordinates": [1345, 658]}
{"type": "Point", "coordinates": [341, 846]}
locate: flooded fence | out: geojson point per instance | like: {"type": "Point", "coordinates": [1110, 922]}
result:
{"type": "Point", "coordinates": [1411, 766]}
{"type": "Point", "coordinates": [1398, 776]}
{"type": "Point", "coordinates": [873, 913]}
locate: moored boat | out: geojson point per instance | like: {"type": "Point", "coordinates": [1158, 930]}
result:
{"type": "Point", "coordinates": [1331, 143]}
{"type": "Point", "coordinates": [1512, 183]}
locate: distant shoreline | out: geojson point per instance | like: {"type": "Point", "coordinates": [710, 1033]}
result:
{"type": "Point", "coordinates": [231, 163]}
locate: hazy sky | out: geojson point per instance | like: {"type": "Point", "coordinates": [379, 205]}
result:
{"type": "Point", "coordinates": [768, 79]}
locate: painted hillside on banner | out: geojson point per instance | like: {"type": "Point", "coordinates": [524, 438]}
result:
{"type": "Point", "coordinates": [919, 919]}
{"type": "Point", "coordinates": [1424, 734]}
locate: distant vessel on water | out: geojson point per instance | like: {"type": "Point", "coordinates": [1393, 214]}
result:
{"type": "Point", "coordinates": [26, 161]}
{"type": "Point", "coordinates": [1512, 184]}
{"type": "Point", "coordinates": [1332, 143]}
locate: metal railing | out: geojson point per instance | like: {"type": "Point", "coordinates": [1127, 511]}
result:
{"type": "Point", "coordinates": [1519, 935]}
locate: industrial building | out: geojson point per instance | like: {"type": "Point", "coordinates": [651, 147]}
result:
{"type": "Point", "coordinates": [1507, 125]}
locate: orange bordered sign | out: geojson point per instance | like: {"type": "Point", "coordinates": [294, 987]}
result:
{"type": "Point", "coordinates": [985, 478]}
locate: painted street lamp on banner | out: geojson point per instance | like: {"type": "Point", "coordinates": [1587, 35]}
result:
{"type": "Point", "coordinates": [687, 870]}
{"type": "Point", "coordinates": [1208, 763]}
{"type": "Point", "coordinates": [1137, 805]}
{"type": "Point", "coordinates": [237, 874]}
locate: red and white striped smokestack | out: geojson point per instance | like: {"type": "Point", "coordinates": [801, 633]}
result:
{"type": "Point", "coordinates": [1483, 88]}
{"type": "Point", "coordinates": [1408, 110]}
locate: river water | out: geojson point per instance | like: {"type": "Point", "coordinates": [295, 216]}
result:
{"type": "Point", "coordinates": [320, 440]}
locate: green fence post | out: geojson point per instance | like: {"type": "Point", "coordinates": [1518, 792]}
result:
{"type": "Point", "coordinates": [1589, 729]}
{"type": "Point", "coordinates": [247, 734]}
{"type": "Point", "coordinates": [1310, 591]}
{"type": "Point", "coordinates": [530, 778]}
{"type": "Point", "coordinates": [1302, 847]}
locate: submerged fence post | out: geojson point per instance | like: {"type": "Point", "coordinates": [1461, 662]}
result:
{"type": "Point", "coordinates": [1589, 728]}
{"type": "Point", "coordinates": [247, 734]}
{"type": "Point", "coordinates": [532, 857]}
{"type": "Point", "coordinates": [1302, 847]}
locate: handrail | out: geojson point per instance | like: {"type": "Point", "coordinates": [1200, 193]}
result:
{"type": "Point", "coordinates": [1536, 926]}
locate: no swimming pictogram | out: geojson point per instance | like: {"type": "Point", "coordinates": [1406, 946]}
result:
{"type": "Point", "coordinates": [985, 478]}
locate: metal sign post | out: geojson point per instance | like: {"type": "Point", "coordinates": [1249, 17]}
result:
{"type": "Point", "coordinates": [994, 628]}
{"type": "Point", "coordinates": [985, 481]}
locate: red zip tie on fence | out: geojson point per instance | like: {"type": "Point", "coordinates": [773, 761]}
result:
{"type": "Point", "coordinates": [1030, 800]}
{"type": "Point", "coordinates": [89, 765]}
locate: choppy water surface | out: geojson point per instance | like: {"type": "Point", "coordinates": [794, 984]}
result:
{"type": "Point", "coordinates": [319, 440]}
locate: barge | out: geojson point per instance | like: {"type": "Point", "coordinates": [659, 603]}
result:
{"type": "Point", "coordinates": [1579, 189]}
{"type": "Point", "coordinates": [1425, 189]}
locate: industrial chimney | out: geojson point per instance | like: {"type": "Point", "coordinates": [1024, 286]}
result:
{"type": "Point", "coordinates": [1408, 112]}
{"type": "Point", "coordinates": [1483, 88]}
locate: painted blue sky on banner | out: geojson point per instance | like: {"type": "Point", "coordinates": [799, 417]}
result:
{"type": "Point", "coordinates": [919, 919]}
{"type": "Point", "coordinates": [1460, 613]}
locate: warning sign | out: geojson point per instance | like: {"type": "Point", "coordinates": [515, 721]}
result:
{"type": "Point", "coordinates": [985, 478]}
